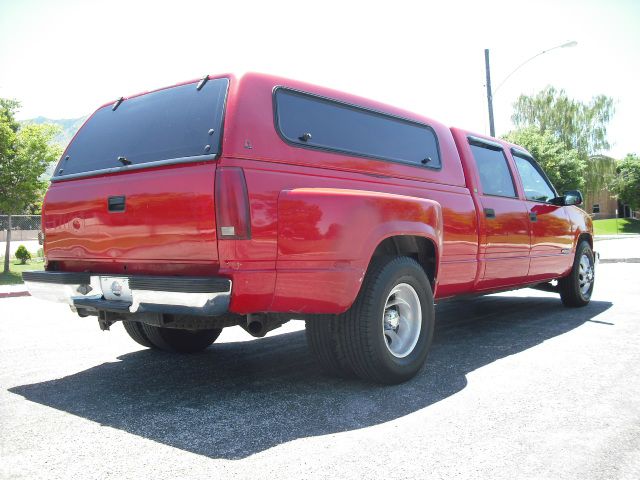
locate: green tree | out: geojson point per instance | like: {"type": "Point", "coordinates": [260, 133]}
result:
{"type": "Point", "coordinates": [8, 108]}
{"type": "Point", "coordinates": [23, 254]}
{"type": "Point", "coordinates": [627, 183]}
{"type": "Point", "coordinates": [580, 126]}
{"type": "Point", "coordinates": [564, 166]}
{"type": "Point", "coordinates": [25, 153]}
{"type": "Point", "coordinates": [8, 127]}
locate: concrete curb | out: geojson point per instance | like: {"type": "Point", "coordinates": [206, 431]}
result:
{"type": "Point", "coordinates": [620, 260]}
{"type": "Point", "coordinates": [15, 294]}
{"type": "Point", "coordinates": [619, 236]}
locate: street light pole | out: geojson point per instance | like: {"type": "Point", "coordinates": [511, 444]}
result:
{"type": "Point", "coordinates": [492, 128]}
{"type": "Point", "coordinates": [490, 92]}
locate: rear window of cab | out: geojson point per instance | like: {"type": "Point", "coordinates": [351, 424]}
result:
{"type": "Point", "coordinates": [311, 121]}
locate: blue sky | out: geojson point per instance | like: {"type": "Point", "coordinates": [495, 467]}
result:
{"type": "Point", "coordinates": [62, 59]}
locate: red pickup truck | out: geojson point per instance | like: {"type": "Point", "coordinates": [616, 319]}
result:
{"type": "Point", "coordinates": [254, 200]}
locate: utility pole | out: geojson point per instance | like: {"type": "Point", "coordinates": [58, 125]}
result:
{"type": "Point", "coordinates": [492, 128]}
{"type": "Point", "coordinates": [490, 92]}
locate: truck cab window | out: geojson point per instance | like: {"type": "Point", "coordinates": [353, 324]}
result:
{"type": "Point", "coordinates": [495, 176]}
{"type": "Point", "coordinates": [536, 187]}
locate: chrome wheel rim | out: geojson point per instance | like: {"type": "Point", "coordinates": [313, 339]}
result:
{"type": "Point", "coordinates": [585, 274]}
{"type": "Point", "coordinates": [402, 320]}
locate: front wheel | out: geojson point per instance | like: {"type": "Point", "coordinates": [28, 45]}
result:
{"type": "Point", "coordinates": [577, 287]}
{"type": "Point", "coordinates": [389, 328]}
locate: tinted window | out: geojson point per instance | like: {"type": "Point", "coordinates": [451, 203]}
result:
{"type": "Point", "coordinates": [535, 185]}
{"type": "Point", "coordinates": [495, 176]}
{"type": "Point", "coordinates": [167, 124]}
{"type": "Point", "coordinates": [345, 128]}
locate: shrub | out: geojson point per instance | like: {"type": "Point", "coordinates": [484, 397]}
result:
{"type": "Point", "coordinates": [23, 254]}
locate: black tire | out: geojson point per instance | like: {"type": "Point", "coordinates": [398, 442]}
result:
{"type": "Point", "coordinates": [325, 340]}
{"type": "Point", "coordinates": [571, 292]}
{"type": "Point", "coordinates": [134, 329]}
{"type": "Point", "coordinates": [367, 349]}
{"type": "Point", "coordinates": [180, 340]}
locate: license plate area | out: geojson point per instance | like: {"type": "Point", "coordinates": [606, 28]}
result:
{"type": "Point", "coordinates": [116, 288]}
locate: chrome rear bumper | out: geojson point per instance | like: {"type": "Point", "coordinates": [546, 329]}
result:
{"type": "Point", "coordinates": [132, 294]}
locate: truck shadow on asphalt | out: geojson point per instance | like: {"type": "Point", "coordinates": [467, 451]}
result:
{"type": "Point", "coordinates": [238, 399]}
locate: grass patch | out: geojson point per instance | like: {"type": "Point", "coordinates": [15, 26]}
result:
{"type": "Point", "coordinates": [15, 271]}
{"type": "Point", "coordinates": [608, 226]}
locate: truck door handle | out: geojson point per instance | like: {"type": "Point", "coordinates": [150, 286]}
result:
{"type": "Point", "coordinates": [116, 204]}
{"type": "Point", "coordinates": [489, 213]}
{"type": "Point", "coordinates": [533, 216]}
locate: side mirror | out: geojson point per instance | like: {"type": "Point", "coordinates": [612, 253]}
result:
{"type": "Point", "coordinates": [573, 197]}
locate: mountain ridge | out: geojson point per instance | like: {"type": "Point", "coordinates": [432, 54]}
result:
{"type": "Point", "coordinates": [69, 127]}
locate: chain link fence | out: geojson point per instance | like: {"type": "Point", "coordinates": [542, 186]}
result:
{"type": "Point", "coordinates": [23, 227]}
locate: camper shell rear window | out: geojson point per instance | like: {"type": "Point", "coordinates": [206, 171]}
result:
{"type": "Point", "coordinates": [171, 125]}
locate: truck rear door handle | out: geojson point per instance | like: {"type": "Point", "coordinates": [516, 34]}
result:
{"type": "Point", "coordinates": [116, 204]}
{"type": "Point", "coordinates": [489, 213]}
{"type": "Point", "coordinates": [533, 216]}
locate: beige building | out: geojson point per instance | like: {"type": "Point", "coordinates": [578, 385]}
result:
{"type": "Point", "coordinates": [605, 205]}
{"type": "Point", "coordinates": [601, 205]}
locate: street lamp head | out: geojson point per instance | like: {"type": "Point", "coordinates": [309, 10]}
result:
{"type": "Point", "coordinates": [569, 44]}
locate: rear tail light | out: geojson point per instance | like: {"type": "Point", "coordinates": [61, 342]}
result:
{"type": "Point", "coordinates": [232, 204]}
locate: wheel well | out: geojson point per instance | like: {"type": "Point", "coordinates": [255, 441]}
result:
{"type": "Point", "coordinates": [587, 237]}
{"type": "Point", "coordinates": [421, 249]}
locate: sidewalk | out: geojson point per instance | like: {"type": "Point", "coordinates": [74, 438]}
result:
{"type": "Point", "coordinates": [618, 248]}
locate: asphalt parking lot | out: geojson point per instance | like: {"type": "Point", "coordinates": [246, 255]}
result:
{"type": "Point", "coordinates": [516, 386]}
